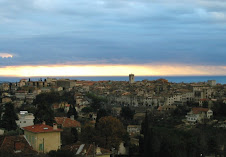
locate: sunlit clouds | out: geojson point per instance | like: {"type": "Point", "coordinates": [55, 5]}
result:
{"type": "Point", "coordinates": [6, 55]}
{"type": "Point", "coordinates": [111, 70]}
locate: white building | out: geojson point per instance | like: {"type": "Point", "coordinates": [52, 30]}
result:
{"type": "Point", "coordinates": [25, 119]}
{"type": "Point", "coordinates": [133, 129]}
{"type": "Point", "coordinates": [212, 82]}
{"type": "Point", "coordinates": [198, 114]}
{"type": "Point", "coordinates": [174, 98]}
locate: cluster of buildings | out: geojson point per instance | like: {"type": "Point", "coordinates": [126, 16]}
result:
{"type": "Point", "coordinates": [159, 95]}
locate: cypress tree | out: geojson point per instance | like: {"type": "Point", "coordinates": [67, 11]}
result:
{"type": "Point", "coordinates": [72, 111]}
{"type": "Point", "coordinates": [9, 117]}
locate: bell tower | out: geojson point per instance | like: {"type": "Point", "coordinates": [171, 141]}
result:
{"type": "Point", "coordinates": [131, 78]}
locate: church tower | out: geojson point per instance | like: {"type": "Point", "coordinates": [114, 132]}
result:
{"type": "Point", "coordinates": [131, 78]}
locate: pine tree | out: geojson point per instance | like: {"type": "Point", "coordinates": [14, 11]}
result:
{"type": "Point", "coordinates": [44, 113]}
{"type": "Point", "coordinates": [9, 117]}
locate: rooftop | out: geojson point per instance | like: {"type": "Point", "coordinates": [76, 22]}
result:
{"type": "Point", "coordinates": [67, 122]}
{"type": "Point", "coordinates": [41, 128]}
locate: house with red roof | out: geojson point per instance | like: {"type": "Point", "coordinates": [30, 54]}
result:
{"type": "Point", "coordinates": [16, 145]}
{"type": "Point", "coordinates": [198, 114]}
{"type": "Point", "coordinates": [43, 138]}
{"type": "Point", "coordinates": [64, 122]}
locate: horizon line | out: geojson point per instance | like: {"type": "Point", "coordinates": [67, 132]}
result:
{"type": "Point", "coordinates": [15, 76]}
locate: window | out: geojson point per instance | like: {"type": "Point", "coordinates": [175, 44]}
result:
{"type": "Point", "coordinates": [32, 139]}
{"type": "Point", "coordinates": [24, 121]}
{"type": "Point", "coordinates": [29, 138]}
{"type": "Point", "coordinates": [41, 147]}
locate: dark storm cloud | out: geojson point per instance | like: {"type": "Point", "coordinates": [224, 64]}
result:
{"type": "Point", "coordinates": [107, 31]}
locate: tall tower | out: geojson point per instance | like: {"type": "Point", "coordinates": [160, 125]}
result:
{"type": "Point", "coordinates": [131, 78]}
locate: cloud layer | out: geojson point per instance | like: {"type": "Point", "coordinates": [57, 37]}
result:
{"type": "Point", "coordinates": [110, 70]}
{"type": "Point", "coordinates": [40, 32]}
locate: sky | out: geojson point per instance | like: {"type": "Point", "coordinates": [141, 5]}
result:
{"type": "Point", "coordinates": [112, 37]}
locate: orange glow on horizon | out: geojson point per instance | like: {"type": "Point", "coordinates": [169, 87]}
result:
{"type": "Point", "coordinates": [109, 70]}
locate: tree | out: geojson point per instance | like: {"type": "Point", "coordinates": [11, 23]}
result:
{"type": "Point", "coordinates": [205, 104]}
{"type": "Point", "coordinates": [97, 101]}
{"type": "Point", "coordinates": [88, 133]}
{"type": "Point", "coordinates": [101, 113]}
{"type": "Point", "coordinates": [72, 111]}
{"type": "Point", "coordinates": [1, 111]}
{"type": "Point", "coordinates": [127, 113]}
{"type": "Point", "coordinates": [219, 108]}
{"type": "Point", "coordinates": [47, 98]}
{"type": "Point", "coordinates": [45, 113]}
{"type": "Point", "coordinates": [180, 111]}
{"type": "Point", "coordinates": [69, 136]}
{"type": "Point", "coordinates": [144, 140]}
{"type": "Point", "coordinates": [68, 97]}
{"type": "Point", "coordinates": [110, 132]}
{"type": "Point", "coordinates": [9, 117]}
{"type": "Point", "coordinates": [87, 110]}
{"type": "Point", "coordinates": [44, 110]}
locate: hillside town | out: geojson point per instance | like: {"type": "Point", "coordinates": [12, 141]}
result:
{"type": "Point", "coordinates": [110, 118]}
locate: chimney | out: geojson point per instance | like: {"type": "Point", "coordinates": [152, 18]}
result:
{"type": "Point", "coordinates": [54, 126]}
{"type": "Point", "coordinates": [72, 117]}
{"type": "Point", "coordinates": [44, 123]}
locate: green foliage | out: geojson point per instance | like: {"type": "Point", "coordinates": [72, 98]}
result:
{"type": "Point", "coordinates": [180, 111]}
{"type": "Point", "coordinates": [1, 111]}
{"type": "Point", "coordinates": [47, 98]}
{"type": "Point", "coordinates": [9, 117]}
{"type": "Point", "coordinates": [55, 97]}
{"type": "Point", "coordinates": [27, 107]}
{"type": "Point", "coordinates": [69, 136]}
{"type": "Point", "coordinates": [60, 153]}
{"type": "Point", "coordinates": [192, 104]}
{"type": "Point", "coordinates": [101, 113]}
{"type": "Point", "coordinates": [74, 134]}
{"type": "Point", "coordinates": [110, 132]}
{"type": "Point", "coordinates": [60, 112]}
{"type": "Point", "coordinates": [160, 140]}
{"type": "Point", "coordinates": [219, 109]}
{"type": "Point", "coordinates": [97, 101]}
{"type": "Point", "coordinates": [205, 104]}
{"type": "Point", "coordinates": [88, 133]}
{"type": "Point", "coordinates": [133, 150]}
{"type": "Point", "coordinates": [72, 111]}
{"type": "Point", "coordinates": [45, 113]}
{"type": "Point", "coordinates": [7, 154]}
{"type": "Point", "coordinates": [127, 113]}
{"type": "Point", "coordinates": [87, 110]}
{"type": "Point", "coordinates": [18, 131]}
{"type": "Point", "coordinates": [68, 97]}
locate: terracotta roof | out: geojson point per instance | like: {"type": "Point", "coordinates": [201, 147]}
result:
{"type": "Point", "coordinates": [40, 128]}
{"type": "Point", "coordinates": [16, 144]}
{"type": "Point", "coordinates": [204, 99]}
{"type": "Point", "coordinates": [197, 110]}
{"type": "Point", "coordinates": [159, 108]}
{"type": "Point", "coordinates": [126, 93]}
{"type": "Point", "coordinates": [67, 122]}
